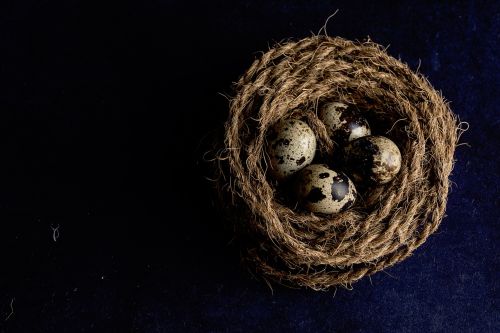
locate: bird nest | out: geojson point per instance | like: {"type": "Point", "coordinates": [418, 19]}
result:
{"type": "Point", "coordinates": [298, 248]}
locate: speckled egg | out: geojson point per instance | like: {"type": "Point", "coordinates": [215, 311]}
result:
{"type": "Point", "coordinates": [322, 190]}
{"type": "Point", "coordinates": [343, 122]}
{"type": "Point", "coordinates": [291, 145]}
{"type": "Point", "coordinates": [372, 160]}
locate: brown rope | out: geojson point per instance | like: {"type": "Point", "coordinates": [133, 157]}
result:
{"type": "Point", "coordinates": [298, 248]}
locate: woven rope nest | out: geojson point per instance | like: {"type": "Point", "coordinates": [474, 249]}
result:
{"type": "Point", "coordinates": [299, 248]}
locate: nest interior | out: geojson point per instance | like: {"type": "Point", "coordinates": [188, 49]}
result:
{"type": "Point", "coordinates": [298, 248]}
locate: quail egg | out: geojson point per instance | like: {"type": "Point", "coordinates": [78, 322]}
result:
{"type": "Point", "coordinates": [291, 145]}
{"type": "Point", "coordinates": [372, 160]}
{"type": "Point", "coordinates": [343, 122]}
{"type": "Point", "coordinates": [322, 190]}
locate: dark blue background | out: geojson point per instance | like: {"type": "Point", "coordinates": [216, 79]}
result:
{"type": "Point", "coordinates": [104, 113]}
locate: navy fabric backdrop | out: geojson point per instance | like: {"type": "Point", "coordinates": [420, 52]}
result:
{"type": "Point", "coordinates": [104, 113]}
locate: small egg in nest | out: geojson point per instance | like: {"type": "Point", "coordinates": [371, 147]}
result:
{"type": "Point", "coordinates": [322, 190]}
{"type": "Point", "coordinates": [343, 122]}
{"type": "Point", "coordinates": [291, 145]}
{"type": "Point", "coordinates": [372, 159]}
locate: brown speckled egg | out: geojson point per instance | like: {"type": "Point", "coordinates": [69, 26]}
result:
{"type": "Point", "coordinates": [322, 190]}
{"type": "Point", "coordinates": [372, 160]}
{"type": "Point", "coordinates": [291, 145]}
{"type": "Point", "coordinates": [343, 122]}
